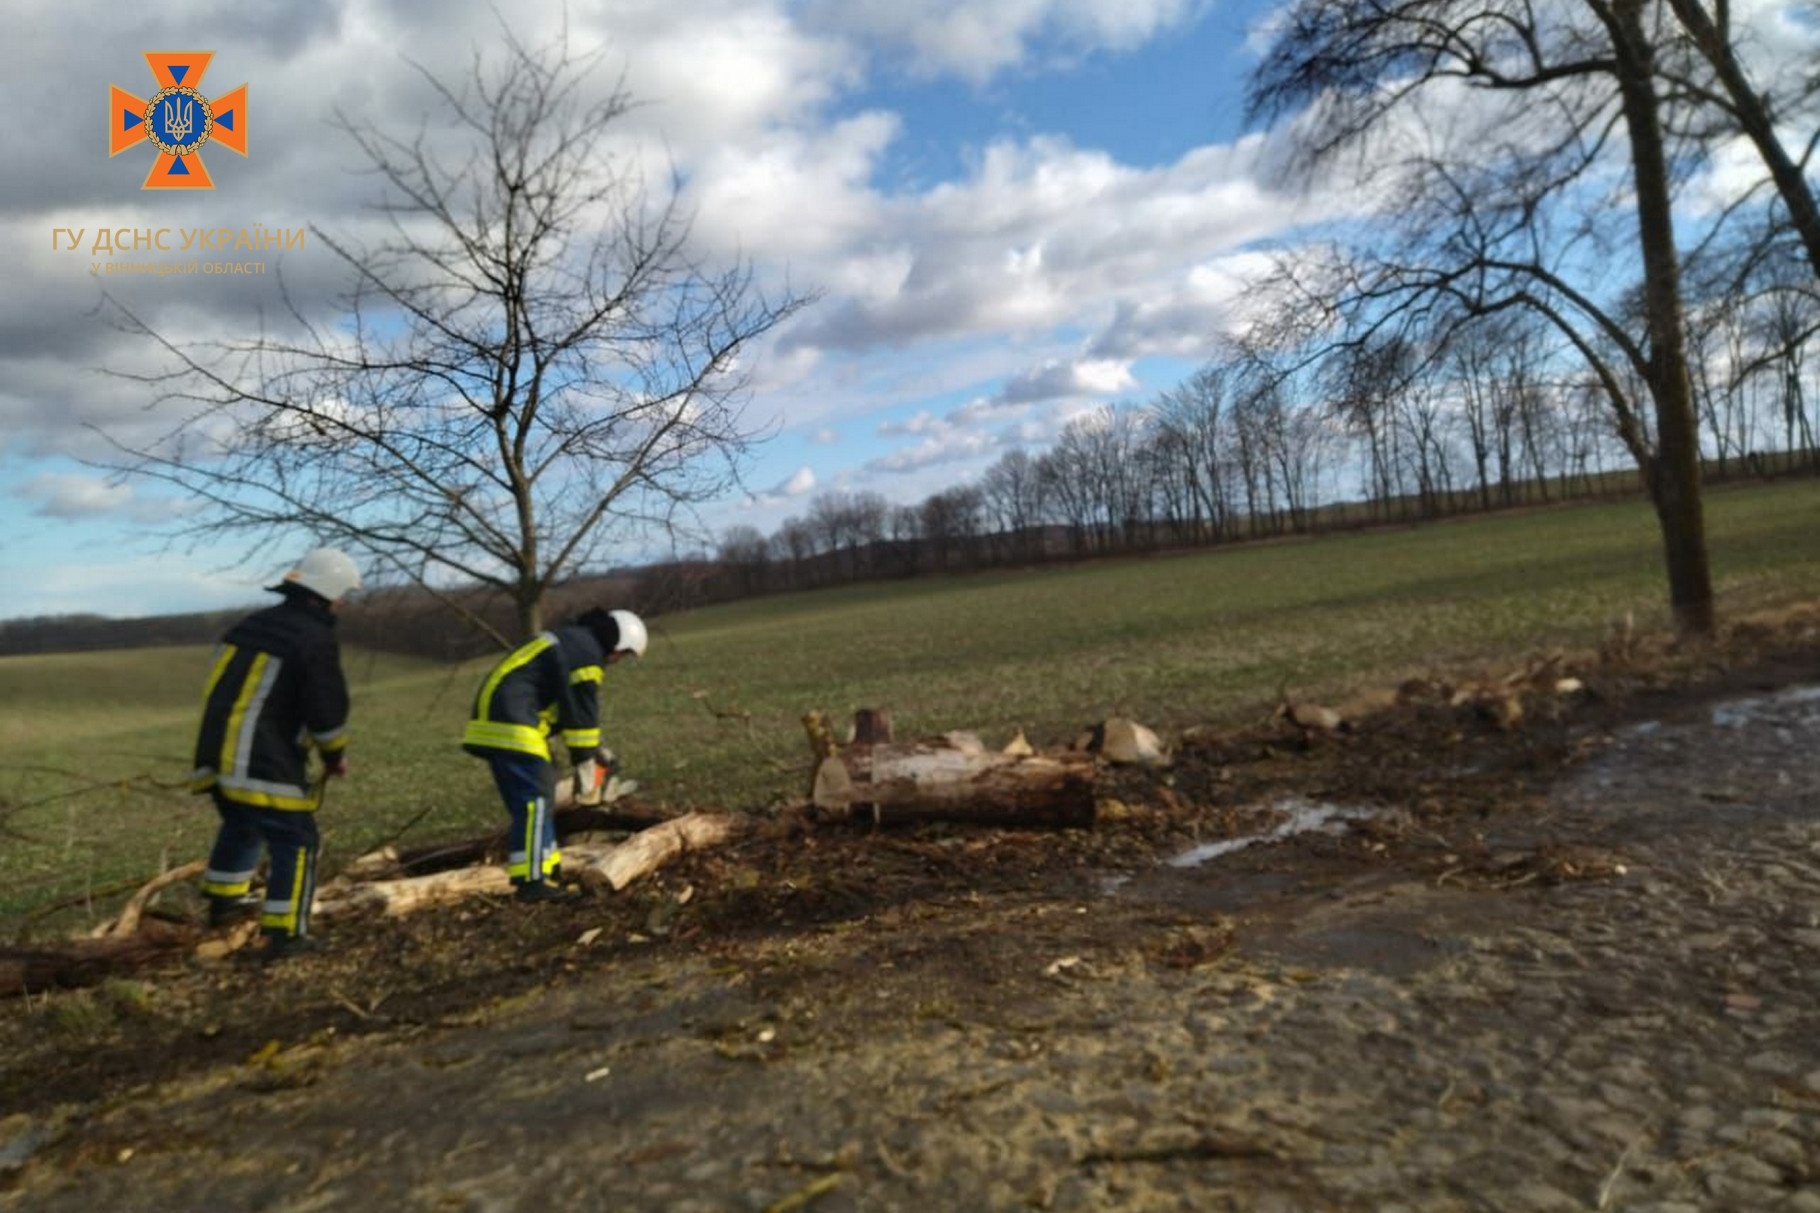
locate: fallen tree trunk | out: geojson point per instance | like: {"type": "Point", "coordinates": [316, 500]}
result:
{"type": "Point", "coordinates": [87, 962]}
{"type": "Point", "coordinates": [594, 863]}
{"type": "Point", "coordinates": [413, 893]}
{"type": "Point", "coordinates": [954, 779]}
{"type": "Point", "coordinates": [648, 850]}
{"type": "Point", "coordinates": [445, 856]}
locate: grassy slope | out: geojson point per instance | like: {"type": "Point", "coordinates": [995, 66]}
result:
{"type": "Point", "coordinates": [1170, 641]}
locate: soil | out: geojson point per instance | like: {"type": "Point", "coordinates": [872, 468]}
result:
{"type": "Point", "coordinates": [1566, 963]}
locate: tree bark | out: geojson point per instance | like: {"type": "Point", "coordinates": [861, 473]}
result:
{"type": "Point", "coordinates": [444, 856]}
{"type": "Point", "coordinates": [648, 850]}
{"type": "Point", "coordinates": [86, 962]}
{"type": "Point", "coordinates": [900, 783]}
{"type": "Point", "coordinates": [1675, 485]}
{"type": "Point", "coordinates": [594, 863]}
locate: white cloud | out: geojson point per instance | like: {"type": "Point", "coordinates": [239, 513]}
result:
{"type": "Point", "coordinates": [75, 495]}
{"type": "Point", "coordinates": [1043, 234]}
{"type": "Point", "coordinates": [951, 445]}
{"type": "Point", "coordinates": [1058, 379]}
{"type": "Point", "coordinates": [753, 195]}
{"type": "Point", "coordinates": [798, 484]}
{"type": "Point", "coordinates": [975, 39]}
{"type": "Point", "coordinates": [922, 423]}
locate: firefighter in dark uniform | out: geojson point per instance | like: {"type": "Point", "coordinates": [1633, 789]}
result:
{"type": "Point", "coordinates": [549, 683]}
{"type": "Point", "coordinates": [275, 690]}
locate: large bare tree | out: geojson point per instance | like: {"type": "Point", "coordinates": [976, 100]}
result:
{"type": "Point", "coordinates": [1573, 85]}
{"type": "Point", "coordinates": [529, 365]}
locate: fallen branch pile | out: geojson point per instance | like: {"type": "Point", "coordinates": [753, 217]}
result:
{"type": "Point", "coordinates": [872, 779]}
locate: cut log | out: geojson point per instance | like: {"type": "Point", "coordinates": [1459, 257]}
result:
{"type": "Point", "coordinates": [833, 788]}
{"type": "Point", "coordinates": [956, 779]}
{"type": "Point", "coordinates": [1129, 743]}
{"type": "Point", "coordinates": [871, 726]}
{"type": "Point", "coordinates": [648, 850]}
{"type": "Point", "coordinates": [594, 863]}
{"type": "Point", "coordinates": [407, 896]}
{"type": "Point", "coordinates": [86, 962]}
{"type": "Point", "coordinates": [488, 848]}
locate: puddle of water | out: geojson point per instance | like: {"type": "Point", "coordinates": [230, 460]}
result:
{"type": "Point", "coordinates": [1299, 817]}
{"type": "Point", "coordinates": [1741, 712]}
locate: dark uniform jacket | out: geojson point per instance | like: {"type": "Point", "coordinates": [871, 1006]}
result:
{"type": "Point", "coordinates": [550, 682]}
{"type": "Point", "coordinates": [275, 687]}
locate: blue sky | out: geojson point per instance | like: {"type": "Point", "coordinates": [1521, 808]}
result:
{"type": "Point", "coordinates": [1017, 210]}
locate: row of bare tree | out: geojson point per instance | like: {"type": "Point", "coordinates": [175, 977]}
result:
{"type": "Point", "coordinates": [1249, 447]}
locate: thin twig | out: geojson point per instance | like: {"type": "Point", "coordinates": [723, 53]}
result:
{"type": "Point", "coordinates": [134, 910]}
{"type": "Point", "coordinates": [801, 1198]}
{"type": "Point", "coordinates": [1611, 1181]}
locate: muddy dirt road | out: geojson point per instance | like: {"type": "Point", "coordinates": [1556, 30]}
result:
{"type": "Point", "coordinates": [1576, 969]}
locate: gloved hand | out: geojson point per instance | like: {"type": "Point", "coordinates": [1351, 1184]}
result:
{"type": "Point", "coordinates": [590, 782]}
{"type": "Point", "coordinates": [335, 765]}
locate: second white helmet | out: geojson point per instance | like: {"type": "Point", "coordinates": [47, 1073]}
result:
{"type": "Point", "coordinates": [632, 635]}
{"type": "Point", "coordinates": [329, 572]}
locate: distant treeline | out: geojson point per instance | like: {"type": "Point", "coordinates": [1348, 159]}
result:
{"type": "Point", "coordinates": [401, 620]}
{"type": "Point", "coordinates": [411, 621]}
{"type": "Point", "coordinates": [848, 537]}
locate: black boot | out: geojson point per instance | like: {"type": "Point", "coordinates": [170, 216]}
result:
{"type": "Point", "coordinates": [543, 890]}
{"type": "Point", "coordinates": [229, 910]}
{"type": "Point", "coordinates": [283, 947]}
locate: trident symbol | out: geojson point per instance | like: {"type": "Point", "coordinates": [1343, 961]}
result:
{"type": "Point", "coordinates": [178, 116]}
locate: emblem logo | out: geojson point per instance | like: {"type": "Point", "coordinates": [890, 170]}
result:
{"type": "Point", "coordinates": [178, 121]}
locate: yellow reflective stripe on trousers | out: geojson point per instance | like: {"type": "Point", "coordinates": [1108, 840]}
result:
{"type": "Point", "coordinates": [287, 919]}
{"type": "Point", "coordinates": [230, 741]}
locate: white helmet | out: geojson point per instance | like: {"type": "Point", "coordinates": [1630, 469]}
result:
{"type": "Point", "coordinates": [325, 571]}
{"type": "Point", "coordinates": [631, 633]}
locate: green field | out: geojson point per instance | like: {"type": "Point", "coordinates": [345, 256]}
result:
{"type": "Point", "coordinates": [1170, 641]}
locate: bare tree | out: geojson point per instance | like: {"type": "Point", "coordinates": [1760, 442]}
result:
{"type": "Point", "coordinates": [746, 555]}
{"type": "Point", "coordinates": [1192, 421]}
{"type": "Point", "coordinates": [532, 364]}
{"type": "Point", "coordinates": [1012, 492]}
{"type": "Point", "coordinates": [951, 524]}
{"type": "Point", "coordinates": [794, 544]}
{"type": "Point", "coordinates": [1566, 80]}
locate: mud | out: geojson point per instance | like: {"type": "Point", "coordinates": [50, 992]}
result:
{"type": "Point", "coordinates": [1570, 966]}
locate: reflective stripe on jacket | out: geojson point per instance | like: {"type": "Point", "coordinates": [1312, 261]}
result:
{"type": "Point", "coordinates": [274, 689]}
{"type": "Point", "coordinates": [550, 683]}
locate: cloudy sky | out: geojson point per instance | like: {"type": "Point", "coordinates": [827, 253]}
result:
{"type": "Point", "coordinates": [1013, 210]}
